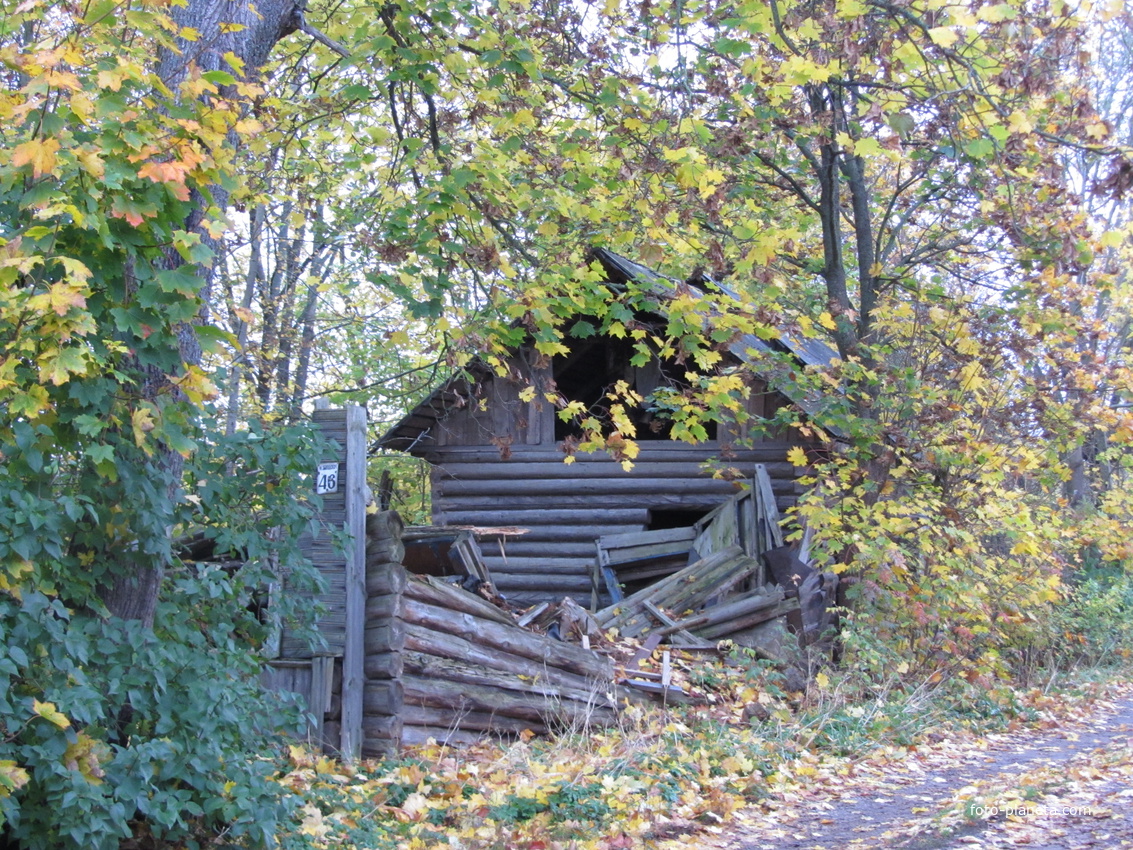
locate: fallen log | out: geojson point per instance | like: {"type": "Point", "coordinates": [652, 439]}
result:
{"type": "Point", "coordinates": [434, 668]}
{"type": "Point", "coordinates": [419, 639]}
{"type": "Point", "coordinates": [745, 621]}
{"type": "Point", "coordinates": [509, 638]}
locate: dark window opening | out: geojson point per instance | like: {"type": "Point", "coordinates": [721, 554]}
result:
{"type": "Point", "coordinates": [594, 367]}
{"type": "Point", "coordinates": [662, 519]}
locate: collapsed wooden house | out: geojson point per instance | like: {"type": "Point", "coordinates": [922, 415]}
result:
{"type": "Point", "coordinates": [416, 644]}
{"type": "Point", "coordinates": [497, 459]}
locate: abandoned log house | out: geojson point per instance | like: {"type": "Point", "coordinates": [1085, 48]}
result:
{"type": "Point", "coordinates": [497, 460]}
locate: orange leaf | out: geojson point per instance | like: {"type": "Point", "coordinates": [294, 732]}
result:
{"type": "Point", "coordinates": [39, 154]}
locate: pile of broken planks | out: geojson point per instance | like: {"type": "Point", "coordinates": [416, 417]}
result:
{"type": "Point", "coordinates": [699, 606]}
{"type": "Point", "coordinates": [724, 591]}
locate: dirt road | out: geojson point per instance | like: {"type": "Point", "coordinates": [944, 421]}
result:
{"type": "Point", "coordinates": [1066, 785]}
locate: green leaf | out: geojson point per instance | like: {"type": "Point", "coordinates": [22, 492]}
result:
{"type": "Point", "coordinates": [219, 78]}
{"type": "Point", "coordinates": [357, 92]}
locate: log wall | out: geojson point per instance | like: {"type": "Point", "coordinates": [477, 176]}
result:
{"type": "Point", "coordinates": [566, 507]}
{"type": "Point", "coordinates": [446, 664]}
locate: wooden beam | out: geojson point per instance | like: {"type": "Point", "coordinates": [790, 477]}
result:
{"type": "Point", "coordinates": [354, 654]}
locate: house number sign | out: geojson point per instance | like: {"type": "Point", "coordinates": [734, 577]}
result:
{"type": "Point", "coordinates": [326, 478]}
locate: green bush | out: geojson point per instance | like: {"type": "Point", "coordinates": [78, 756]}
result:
{"type": "Point", "coordinates": [1094, 625]}
{"type": "Point", "coordinates": [108, 728]}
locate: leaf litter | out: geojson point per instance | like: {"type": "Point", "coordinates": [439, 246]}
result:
{"type": "Point", "coordinates": [711, 776]}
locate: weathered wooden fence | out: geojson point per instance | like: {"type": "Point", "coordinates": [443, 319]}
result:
{"type": "Point", "coordinates": [331, 677]}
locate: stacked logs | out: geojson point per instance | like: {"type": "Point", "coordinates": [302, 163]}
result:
{"type": "Point", "coordinates": [447, 664]}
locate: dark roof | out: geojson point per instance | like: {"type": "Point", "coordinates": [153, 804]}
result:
{"type": "Point", "coordinates": [416, 427]}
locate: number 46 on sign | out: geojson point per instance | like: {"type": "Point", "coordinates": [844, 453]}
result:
{"type": "Point", "coordinates": [326, 478]}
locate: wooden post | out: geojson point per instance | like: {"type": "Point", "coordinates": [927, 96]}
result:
{"type": "Point", "coordinates": [353, 655]}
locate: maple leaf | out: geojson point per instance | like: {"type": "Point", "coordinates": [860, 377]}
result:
{"type": "Point", "coordinates": [39, 154]}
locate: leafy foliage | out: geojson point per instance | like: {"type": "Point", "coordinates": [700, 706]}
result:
{"type": "Point", "coordinates": [107, 723]}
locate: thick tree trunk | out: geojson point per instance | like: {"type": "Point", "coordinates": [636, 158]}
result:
{"type": "Point", "coordinates": [133, 593]}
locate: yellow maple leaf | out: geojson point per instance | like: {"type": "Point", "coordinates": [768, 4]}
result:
{"type": "Point", "coordinates": [50, 713]}
{"type": "Point", "coordinates": [797, 456]}
{"type": "Point", "coordinates": [39, 154]}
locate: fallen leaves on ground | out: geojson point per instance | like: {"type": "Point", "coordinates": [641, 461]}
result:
{"type": "Point", "coordinates": [664, 778]}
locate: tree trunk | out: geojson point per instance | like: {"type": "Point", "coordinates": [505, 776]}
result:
{"type": "Point", "coordinates": [133, 593]}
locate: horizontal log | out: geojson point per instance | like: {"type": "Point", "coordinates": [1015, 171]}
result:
{"type": "Point", "coordinates": [384, 552]}
{"type": "Point", "coordinates": [565, 656]}
{"type": "Point", "coordinates": [592, 486]}
{"type": "Point", "coordinates": [383, 665]}
{"type": "Point", "coordinates": [651, 450]}
{"type": "Point", "coordinates": [513, 470]}
{"type": "Point", "coordinates": [586, 532]}
{"type": "Point", "coordinates": [382, 607]}
{"type": "Point", "coordinates": [522, 598]}
{"type": "Point", "coordinates": [456, 599]}
{"type": "Point", "coordinates": [517, 564]}
{"type": "Point", "coordinates": [385, 578]}
{"type": "Point", "coordinates": [382, 697]}
{"type": "Point", "coordinates": [419, 736]}
{"type": "Point", "coordinates": [555, 583]}
{"type": "Point", "coordinates": [382, 725]}
{"type": "Point", "coordinates": [573, 549]}
{"type": "Point", "coordinates": [384, 636]}
{"type": "Point", "coordinates": [548, 682]}
{"type": "Point", "coordinates": [384, 525]}
{"type": "Point", "coordinates": [439, 693]}
{"type": "Point", "coordinates": [469, 721]}
{"type": "Point", "coordinates": [505, 516]}
{"type": "Point", "coordinates": [626, 574]}
{"type": "Point", "coordinates": [656, 501]}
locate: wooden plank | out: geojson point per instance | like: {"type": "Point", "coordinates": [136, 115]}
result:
{"type": "Point", "coordinates": [354, 654]}
{"type": "Point", "coordinates": [586, 532]}
{"type": "Point", "coordinates": [745, 621]}
{"type": "Point", "coordinates": [651, 569]}
{"type": "Point", "coordinates": [672, 628]}
{"type": "Point", "coordinates": [574, 549]}
{"type": "Point", "coordinates": [613, 588]}
{"type": "Point", "coordinates": [318, 697]}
